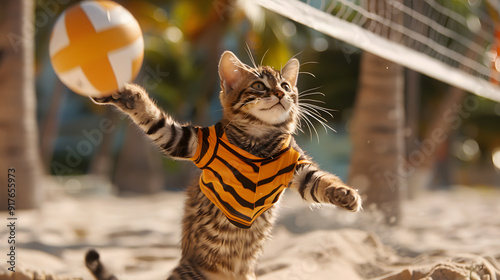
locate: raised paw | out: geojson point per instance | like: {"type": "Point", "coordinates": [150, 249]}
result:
{"type": "Point", "coordinates": [344, 197]}
{"type": "Point", "coordinates": [124, 99]}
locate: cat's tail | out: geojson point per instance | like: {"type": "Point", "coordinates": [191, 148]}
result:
{"type": "Point", "coordinates": [96, 267]}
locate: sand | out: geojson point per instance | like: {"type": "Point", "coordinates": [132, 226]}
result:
{"type": "Point", "coordinates": [451, 234]}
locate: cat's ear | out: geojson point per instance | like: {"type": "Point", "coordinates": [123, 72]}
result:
{"type": "Point", "coordinates": [291, 71]}
{"type": "Point", "coordinates": [231, 70]}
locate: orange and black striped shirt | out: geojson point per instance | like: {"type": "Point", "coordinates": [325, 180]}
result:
{"type": "Point", "coordinates": [240, 184]}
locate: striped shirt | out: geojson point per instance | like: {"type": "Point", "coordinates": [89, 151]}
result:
{"type": "Point", "coordinates": [240, 184]}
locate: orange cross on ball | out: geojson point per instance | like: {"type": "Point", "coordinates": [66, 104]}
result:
{"type": "Point", "coordinates": [89, 48]}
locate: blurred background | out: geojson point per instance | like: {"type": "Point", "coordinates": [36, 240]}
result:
{"type": "Point", "coordinates": [422, 153]}
{"type": "Point", "coordinates": [90, 148]}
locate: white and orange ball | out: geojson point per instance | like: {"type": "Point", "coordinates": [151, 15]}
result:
{"type": "Point", "coordinates": [96, 47]}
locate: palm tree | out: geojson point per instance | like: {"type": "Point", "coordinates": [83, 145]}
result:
{"type": "Point", "coordinates": [377, 128]}
{"type": "Point", "coordinates": [377, 138]}
{"type": "Point", "coordinates": [18, 129]}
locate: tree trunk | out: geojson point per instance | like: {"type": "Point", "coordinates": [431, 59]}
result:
{"type": "Point", "coordinates": [102, 162]}
{"type": "Point", "coordinates": [139, 168]}
{"type": "Point", "coordinates": [377, 136]}
{"type": "Point", "coordinates": [50, 126]}
{"type": "Point", "coordinates": [18, 129]}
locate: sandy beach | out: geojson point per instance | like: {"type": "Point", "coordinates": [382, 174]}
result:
{"type": "Point", "coordinates": [451, 234]}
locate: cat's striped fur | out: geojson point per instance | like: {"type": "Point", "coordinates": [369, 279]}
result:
{"type": "Point", "coordinates": [260, 112]}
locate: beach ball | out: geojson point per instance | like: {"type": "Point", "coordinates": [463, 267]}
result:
{"type": "Point", "coordinates": [96, 47]}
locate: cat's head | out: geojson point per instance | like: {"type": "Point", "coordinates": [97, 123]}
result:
{"type": "Point", "coordinates": [260, 95]}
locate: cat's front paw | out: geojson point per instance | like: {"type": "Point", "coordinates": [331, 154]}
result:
{"type": "Point", "coordinates": [345, 197]}
{"type": "Point", "coordinates": [124, 99]}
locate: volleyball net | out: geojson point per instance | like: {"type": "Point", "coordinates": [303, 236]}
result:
{"type": "Point", "coordinates": [457, 42]}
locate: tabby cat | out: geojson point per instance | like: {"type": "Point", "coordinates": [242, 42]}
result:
{"type": "Point", "coordinates": [247, 160]}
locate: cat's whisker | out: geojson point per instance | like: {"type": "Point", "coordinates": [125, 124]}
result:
{"type": "Point", "coordinates": [308, 62]}
{"type": "Point", "coordinates": [316, 113]}
{"type": "Point", "coordinates": [325, 126]}
{"type": "Point", "coordinates": [312, 100]}
{"type": "Point", "coordinates": [297, 54]}
{"type": "Point", "coordinates": [308, 73]}
{"type": "Point", "coordinates": [248, 69]}
{"type": "Point", "coordinates": [309, 111]}
{"type": "Point", "coordinates": [249, 52]}
{"type": "Point", "coordinates": [306, 106]}
{"type": "Point", "coordinates": [319, 108]}
{"type": "Point", "coordinates": [262, 59]}
{"type": "Point", "coordinates": [305, 115]}
{"type": "Point", "coordinates": [311, 89]}
{"type": "Point", "coordinates": [311, 94]}
{"type": "Point", "coordinates": [322, 122]}
{"type": "Point", "coordinates": [298, 124]}
{"type": "Point", "coordinates": [310, 124]}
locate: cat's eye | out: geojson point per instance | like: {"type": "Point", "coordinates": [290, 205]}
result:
{"type": "Point", "coordinates": [259, 86]}
{"type": "Point", "coordinates": [285, 86]}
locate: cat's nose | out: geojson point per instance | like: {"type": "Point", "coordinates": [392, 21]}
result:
{"type": "Point", "coordinates": [279, 94]}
